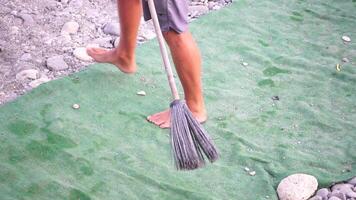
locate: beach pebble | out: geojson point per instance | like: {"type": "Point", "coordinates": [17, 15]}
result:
{"type": "Point", "coordinates": [342, 187]}
{"type": "Point", "coordinates": [346, 38]}
{"type": "Point", "coordinates": [334, 198]}
{"type": "Point", "coordinates": [71, 27]}
{"type": "Point", "coordinates": [337, 194]}
{"type": "Point", "coordinates": [81, 54]}
{"type": "Point", "coordinates": [56, 63]}
{"type": "Point", "coordinates": [252, 173]}
{"type": "Point", "coordinates": [245, 64]}
{"type": "Point", "coordinates": [316, 198]}
{"type": "Point", "coordinates": [141, 93]}
{"type": "Point", "coordinates": [39, 81]}
{"type": "Point", "coordinates": [26, 57]}
{"type": "Point", "coordinates": [323, 192]}
{"type": "Point", "coordinates": [276, 98]}
{"type": "Point", "coordinates": [345, 60]}
{"type": "Point", "coordinates": [112, 28]}
{"type": "Point", "coordinates": [27, 19]}
{"type": "Point", "coordinates": [297, 187]}
{"type": "Point", "coordinates": [27, 74]}
{"type": "Point", "coordinates": [75, 106]}
{"type": "Point", "coordinates": [352, 181]}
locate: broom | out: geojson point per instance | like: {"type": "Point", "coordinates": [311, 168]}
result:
{"type": "Point", "coordinates": [189, 140]}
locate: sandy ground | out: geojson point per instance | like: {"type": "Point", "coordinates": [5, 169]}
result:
{"type": "Point", "coordinates": [44, 40]}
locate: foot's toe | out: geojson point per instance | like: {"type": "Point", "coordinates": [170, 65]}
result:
{"type": "Point", "coordinates": [161, 119]}
{"type": "Point", "coordinates": [165, 124]}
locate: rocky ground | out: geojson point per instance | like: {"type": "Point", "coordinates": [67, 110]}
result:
{"type": "Point", "coordinates": [44, 40]}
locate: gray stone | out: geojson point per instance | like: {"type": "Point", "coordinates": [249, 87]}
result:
{"type": "Point", "coordinates": [39, 81]}
{"type": "Point", "coordinates": [316, 198]}
{"type": "Point", "coordinates": [76, 4]}
{"type": "Point", "coordinates": [56, 63]}
{"type": "Point", "coordinates": [351, 194]}
{"type": "Point", "coordinates": [345, 60]}
{"type": "Point", "coordinates": [27, 19]}
{"type": "Point", "coordinates": [71, 27]}
{"type": "Point", "coordinates": [342, 187]}
{"type": "Point", "coordinates": [27, 74]}
{"type": "Point", "coordinates": [337, 194]}
{"type": "Point", "coordinates": [352, 181]}
{"type": "Point", "coordinates": [81, 54]}
{"type": "Point", "coordinates": [334, 198]}
{"type": "Point", "coordinates": [297, 187]}
{"type": "Point", "coordinates": [112, 28]}
{"type": "Point", "coordinates": [323, 192]}
{"type": "Point", "coordinates": [26, 57]}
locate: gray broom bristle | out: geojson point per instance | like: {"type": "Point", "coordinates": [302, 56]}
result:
{"type": "Point", "coordinates": [189, 139]}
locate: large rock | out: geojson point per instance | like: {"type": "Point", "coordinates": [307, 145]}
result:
{"type": "Point", "coordinates": [297, 187]}
{"type": "Point", "coordinates": [56, 63]}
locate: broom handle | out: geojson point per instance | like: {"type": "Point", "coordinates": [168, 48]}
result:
{"type": "Point", "coordinates": [164, 54]}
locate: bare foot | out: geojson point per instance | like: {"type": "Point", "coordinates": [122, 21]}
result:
{"type": "Point", "coordinates": [123, 63]}
{"type": "Point", "coordinates": [163, 119]}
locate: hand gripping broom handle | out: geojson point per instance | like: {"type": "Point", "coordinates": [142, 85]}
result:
{"type": "Point", "coordinates": [164, 54]}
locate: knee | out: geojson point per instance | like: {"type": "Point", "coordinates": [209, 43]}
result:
{"type": "Point", "coordinates": [174, 39]}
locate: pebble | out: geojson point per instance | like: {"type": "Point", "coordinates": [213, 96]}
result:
{"type": "Point", "coordinates": [71, 27]}
{"type": "Point", "coordinates": [39, 81]}
{"type": "Point", "coordinates": [276, 98]}
{"type": "Point", "coordinates": [323, 192]}
{"type": "Point", "coordinates": [116, 43]}
{"type": "Point", "coordinates": [112, 28]}
{"type": "Point", "coordinates": [247, 169]}
{"type": "Point", "coordinates": [27, 19]}
{"type": "Point", "coordinates": [297, 187]}
{"type": "Point", "coordinates": [316, 198]}
{"type": "Point", "coordinates": [353, 181]}
{"type": "Point", "coordinates": [334, 198]}
{"type": "Point", "coordinates": [75, 106]}
{"type": "Point", "coordinates": [141, 93]}
{"type": "Point", "coordinates": [14, 29]}
{"type": "Point", "coordinates": [81, 54]}
{"type": "Point", "coordinates": [337, 194]}
{"type": "Point", "coordinates": [346, 38]}
{"type": "Point", "coordinates": [245, 64]}
{"type": "Point", "coordinates": [26, 57]}
{"type": "Point", "coordinates": [345, 60]}
{"type": "Point", "coordinates": [27, 74]}
{"type": "Point", "coordinates": [56, 63]}
{"type": "Point", "coordinates": [252, 173]}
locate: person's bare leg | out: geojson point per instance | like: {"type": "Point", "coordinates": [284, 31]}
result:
{"type": "Point", "coordinates": [187, 60]}
{"type": "Point", "coordinates": [124, 55]}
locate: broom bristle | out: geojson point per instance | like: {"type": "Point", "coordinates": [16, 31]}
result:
{"type": "Point", "coordinates": [188, 139]}
{"type": "Point", "coordinates": [185, 152]}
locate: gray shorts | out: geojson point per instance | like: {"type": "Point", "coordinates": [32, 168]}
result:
{"type": "Point", "coordinates": [172, 14]}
